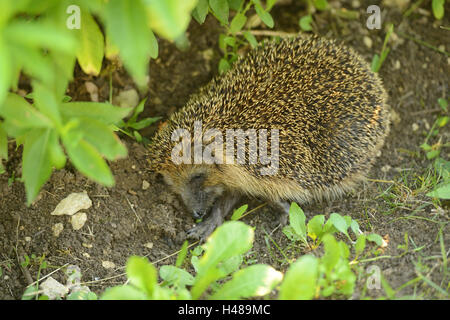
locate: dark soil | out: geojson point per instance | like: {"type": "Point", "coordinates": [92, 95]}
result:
{"type": "Point", "coordinates": [126, 220]}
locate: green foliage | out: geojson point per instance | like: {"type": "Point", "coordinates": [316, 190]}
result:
{"type": "Point", "coordinates": [378, 60]}
{"type": "Point", "coordinates": [42, 40]}
{"type": "Point", "coordinates": [130, 126]}
{"type": "Point", "coordinates": [437, 6]}
{"type": "Point", "coordinates": [221, 259]}
{"type": "Point", "coordinates": [237, 34]}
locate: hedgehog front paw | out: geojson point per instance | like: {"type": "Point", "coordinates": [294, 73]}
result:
{"type": "Point", "coordinates": [202, 230]}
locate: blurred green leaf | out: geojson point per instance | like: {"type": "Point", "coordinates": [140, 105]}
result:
{"type": "Point", "coordinates": [201, 11]}
{"type": "Point", "coordinates": [169, 18]}
{"type": "Point", "coordinates": [104, 112]}
{"type": "Point", "coordinates": [6, 71]}
{"type": "Point", "coordinates": [45, 101]}
{"type": "Point", "coordinates": [91, 44]}
{"type": "Point", "coordinates": [238, 22]}
{"type": "Point", "coordinates": [224, 66]}
{"type": "Point", "coordinates": [297, 220]}
{"type": "Point", "coordinates": [237, 214]}
{"type": "Point", "coordinates": [87, 159]}
{"type": "Point", "coordinates": [102, 138]}
{"type": "Point", "coordinates": [21, 114]}
{"type": "Point", "coordinates": [253, 281]}
{"type": "Point", "coordinates": [305, 23]}
{"type": "Point", "coordinates": [300, 280]}
{"type": "Point", "coordinates": [126, 25]}
{"type": "Point", "coordinates": [124, 292]}
{"type": "Point", "coordinates": [442, 192]}
{"type": "Point", "coordinates": [35, 162]}
{"type": "Point", "coordinates": [251, 39]}
{"type": "Point", "coordinates": [438, 8]}
{"type": "Point", "coordinates": [221, 10]}
{"type": "Point", "coordinates": [176, 276]}
{"type": "Point", "coordinates": [142, 274]}
{"type": "Point", "coordinates": [263, 14]}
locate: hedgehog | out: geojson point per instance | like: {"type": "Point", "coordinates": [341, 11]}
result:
{"type": "Point", "coordinates": [298, 120]}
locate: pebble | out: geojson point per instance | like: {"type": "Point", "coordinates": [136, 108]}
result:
{"type": "Point", "coordinates": [108, 264]}
{"type": "Point", "coordinates": [127, 98]}
{"type": "Point", "coordinates": [149, 245]}
{"type": "Point", "coordinates": [145, 185]}
{"type": "Point", "coordinates": [72, 204]}
{"type": "Point", "coordinates": [57, 229]}
{"type": "Point", "coordinates": [415, 127]}
{"type": "Point", "coordinates": [53, 289]}
{"type": "Point", "coordinates": [397, 65]}
{"type": "Point", "coordinates": [27, 239]}
{"type": "Point", "coordinates": [367, 41]}
{"type": "Point", "coordinates": [78, 220]}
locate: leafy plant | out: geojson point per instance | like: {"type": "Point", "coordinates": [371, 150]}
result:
{"type": "Point", "coordinates": [42, 40]}
{"type": "Point", "coordinates": [234, 37]}
{"type": "Point", "coordinates": [377, 60]}
{"type": "Point", "coordinates": [438, 8]}
{"type": "Point", "coordinates": [131, 126]}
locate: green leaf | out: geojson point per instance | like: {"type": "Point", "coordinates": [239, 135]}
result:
{"type": "Point", "coordinates": [154, 47]}
{"type": "Point", "coordinates": [297, 220]}
{"type": "Point", "coordinates": [221, 10]}
{"type": "Point", "coordinates": [90, 50]}
{"type": "Point", "coordinates": [126, 25]}
{"type": "Point", "coordinates": [182, 255]}
{"type": "Point", "coordinates": [35, 162]}
{"type": "Point", "coordinates": [433, 154]}
{"type": "Point", "coordinates": [300, 280]}
{"type": "Point", "coordinates": [263, 14]}
{"type": "Point", "coordinates": [6, 73]}
{"type": "Point", "coordinates": [256, 280]}
{"type": "Point", "coordinates": [251, 39]}
{"type": "Point", "coordinates": [125, 292]}
{"type": "Point", "coordinates": [375, 238]}
{"type": "Point", "coordinates": [305, 23]}
{"type": "Point", "coordinates": [103, 112]}
{"type": "Point", "coordinates": [45, 101]}
{"type": "Point", "coordinates": [144, 123]}
{"type": "Point", "coordinates": [237, 214]}
{"type": "Point", "coordinates": [375, 66]}
{"type": "Point", "coordinates": [238, 22]}
{"type": "Point", "coordinates": [442, 192]}
{"type": "Point", "coordinates": [142, 274]}
{"type": "Point", "coordinates": [443, 104]}
{"type": "Point", "coordinates": [169, 18]}
{"type": "Point", "coordinates": [339, 223]}
{"type": "Point", "coordinates": [201, 11]}
{"type": "Point", "coordinates": [442, 121]}
{"type": "Point", "coordinates": [3, 144]}
{"type": "Point", "coordinates": [332, 252]}
{"type": "Point", "coordinates": [360, 244]}
{"type": "Point", "coordinates": [438, 8]}
{"type": "Point", "coordinates": [38, 35]}
{"type": "Point", "coordinates": [55, 151]}
{"type": "Point", "coordinates": [21, 114]}
{"type": "Point", "coordinates": [87, 159]}
{"type": "Point", "coordinates": [102, 138]}
{"type": "Point", "coordinates": [230, 239]}
{"type": "Point", "coordinates": [224, 66]}
{"type": "Point", "coordinates": [315, 226]}
{"type": "Point", "coordinates": [176, 276]}
{"type": "Point", "coordinates": [270, 4]}
{"type": "Point", "coordinates": [321, 4]}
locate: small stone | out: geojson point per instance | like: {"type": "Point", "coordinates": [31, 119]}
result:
{"type": "Point", "coordinates": [145, 185]}
{"type": "Point", "coordinates": [395, 117]}
{"type": "Point", "coordinates": [92, 89]}
{"type": "Point", "coordinates": [78, 220]}
{"type": "Point", "coordinates": [27, 239]}
{"type": "Point", "coordinates": [133, 167]}
{"type": "Point", "coordinates": [208, 54]}
{"type": "Point", "coordinates": [72, 204]}
{"type": "Point", "coordinates": [415, 127]}
{"type": "Point", "coordinates": [149, 245]}
{"type": "Point", "coordinates": [356, 4]}
{"type": "Point", "coordinates": [53, 289]}
{"type": "Point", "coordinates": [108, 264]}
{"type": "Point", "coordinates": [386, 168]}
{"type": "Point", "coordinates": [367, 41]}
{"type": "Point", "coordinates": [57, 229]}
{"type": "Point", "coordinates": [397, 65]}
{"type": "Point", "coordinates": [127, 98]}
{"type": "Point", "coordinates": [87, 245]}
{"type": "Point", "coordinates": [86, 255]}
{"type": "Point", "coordinates": [442, 47]}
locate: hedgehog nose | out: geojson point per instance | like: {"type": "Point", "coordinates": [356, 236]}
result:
{"type": "Point", "coordinates": [197, 214]}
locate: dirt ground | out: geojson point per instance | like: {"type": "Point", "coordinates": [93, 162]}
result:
{"type": "Point", "coordinates": [126, 220]}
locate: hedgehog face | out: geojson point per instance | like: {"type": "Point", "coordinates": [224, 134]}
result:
{"type": "Point", "coordinates": [196, 187]}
